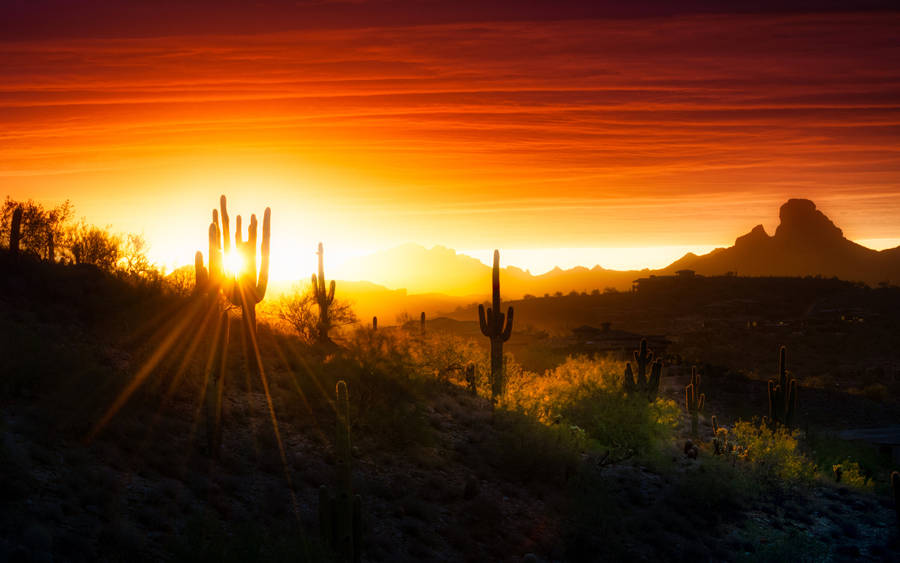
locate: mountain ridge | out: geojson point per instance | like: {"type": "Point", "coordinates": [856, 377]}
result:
{"type": "Point", "coordinates": [805, 243]}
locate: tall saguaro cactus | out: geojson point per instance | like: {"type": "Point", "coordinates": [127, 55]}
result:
{"type": "Point", "coordinates": [644, 384]}
{"type": "Point", "coordinates": [782, 395]}
{"type": "Point", "coordinates": [15, 231]}
{"type": "Point", "coordinates": [694, 399]}
{"type": "Point", "coordinates": [493, 326]}
{"type": "Point", "coordinates": [246, 287]}
{"type": "Point", "coordinates": [324, 298]}
{"type": "Point", "coordinates": [340, 515]}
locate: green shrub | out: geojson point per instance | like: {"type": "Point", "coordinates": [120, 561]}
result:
{"type": "Point", "coordinates": [852, 475]}
{"type": "Point", "coordinates": [771, 456]}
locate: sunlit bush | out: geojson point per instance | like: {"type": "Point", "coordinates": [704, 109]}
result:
{"type": "Point", "coordinates": [587, 393]}
{"type": "Point", "coordinates": [772, 456]}
{"type": "Point", "coordinates": [851, 475]}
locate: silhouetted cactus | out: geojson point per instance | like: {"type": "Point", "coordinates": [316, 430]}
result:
{"type": "Point", "coordinates": [693, 400]}
{"type": "Point", "coordinates": [492, 326]}
{"type": "Point", "coordinates": [782, 395]}
{"type": "Point", "coordinates": [15, 231]}
{"type": "Point", "coordinates": [644, 385]}
{"type": "Point", "coordinates": [895, 492]}
{"type": "Point", "coordinates": [324, 298]}
{"type": "Point", "coordinates": [422, 323]}
{"type": "Point", "coordinates": [215, 383]}
{"type": "Point", "coordinates": [471, 384]}
{"type": "Point", "coordinates": [340, 515]}
{"type": "Point", "coordinates": [243, 289]}
{"type": "Point", "coordinates": [374, 323]}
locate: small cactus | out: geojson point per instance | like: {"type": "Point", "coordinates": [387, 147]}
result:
{"type": "Point", "coordinates": [782, 395]}
{"type": "Point", "coordinates": [644, 385]}
{"type": "Point", "coordinates": [422, 323]}
{"type": "Point", "coordinates": [324, 298]}
{"type": "Point", "coordinates": [895, 491]}
{"type": "Point", "coordinates": [374, 323]}
{"type": "Point", "coordinates": [693, 400]}
{"type": "Point", "coordinates": [340, 514]}
{"type": "Point", "coordinates": [471, 386]}
{"type": "Point", "coordinates": [493, 326]}
{"type": "Point", "coordinates": [720, 438]}
{"type": "Point", "coordinates": [15, 231]}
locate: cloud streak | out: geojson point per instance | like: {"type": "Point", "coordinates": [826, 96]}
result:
{"type": "Point", "coordinates": [432, 119]}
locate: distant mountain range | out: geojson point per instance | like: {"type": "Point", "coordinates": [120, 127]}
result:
{"type": "Point", "coordinates": [805, 243]}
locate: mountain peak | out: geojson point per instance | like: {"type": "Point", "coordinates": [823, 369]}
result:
{"type": "Point", "coordinates": [753, 237]}
{"type": "Point", "coordinates": [800, 220]}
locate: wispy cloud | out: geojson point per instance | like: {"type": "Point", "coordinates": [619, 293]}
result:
{"type": "Point", "coordinates": [511, 116]}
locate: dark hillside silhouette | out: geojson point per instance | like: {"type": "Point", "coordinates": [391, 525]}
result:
{"type": "Point", "coordinates": [805, 243]}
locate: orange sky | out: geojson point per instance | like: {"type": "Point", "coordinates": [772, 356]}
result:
{"type": "Point", "coordinates": [640, 130]}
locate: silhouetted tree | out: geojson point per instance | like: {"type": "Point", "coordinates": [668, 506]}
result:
{"type": "Point", "coordinates": [40, 229]}
{"type": "Point", "coordinates": [301, 311]}
{"type": "Point", "coordinates": [89, 244]}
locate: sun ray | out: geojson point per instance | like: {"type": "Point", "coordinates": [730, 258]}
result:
{"type": "Point", "coordinates": [156, 357]}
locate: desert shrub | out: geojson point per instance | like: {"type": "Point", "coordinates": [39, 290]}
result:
{"type": "Point", "coordinates": [828, 451]}
{"type": "Point", "coordinates": [852, 475]}
{"type": "Point", "coordinates": [586, 393]}
{"type": "Point", "coordinates": [445, 357]}
{"type": "Point", "coordinates": [772, 456]}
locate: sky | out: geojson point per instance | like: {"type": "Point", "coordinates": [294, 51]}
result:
{"type": "Point", "coordinates": [563, 133]}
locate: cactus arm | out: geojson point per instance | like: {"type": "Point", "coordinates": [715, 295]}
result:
{"type": "Point", "coordinates": [330, 297]}
{"type": "Point", "coordinates": [653, 382]}
{"type": "Point", "coordinates": [628, 382]}
{"type": "Point", "coordinates": [263, 282]}
{"type": "Point", "coordinates": [483, 321]}
{"type": "Point", "coordinates": [201, 274]}
{"type": "Point", "coordinates": [226, 234]}
{"type": "Point", "coordinates": [15, 231]}
{"type": "Point", "coordinates": [507, 331]}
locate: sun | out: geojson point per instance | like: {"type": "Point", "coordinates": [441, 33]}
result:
{"type": "Point", "coordinates": [234, 263]}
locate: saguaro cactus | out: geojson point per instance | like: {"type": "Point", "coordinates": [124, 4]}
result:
{"type": "Point", "coordinates": [644, 384]}
{"type": "Point", "coordinates": [340, 515]}
{"type": "Point", "coordinates": [422, 323]}
{"type": "Point", "coordinates": [693, 400]}
{"type": "Point", "coordinates": [492, 326]}
{"type": "Point", "coordinates": [245, 288]}
{"type": "Point", "coordinates": [324, 298]}
{"type": "Point", "coordinates": [895, 492]}
{"type": "Point", "coordinates": [782, 395]}
{"type": "Point", "coordinates": [374, 323]}
{"type": "Point", "coordinates": [215, 383]}
{"type": "Point", "coordinates": [15, 231]}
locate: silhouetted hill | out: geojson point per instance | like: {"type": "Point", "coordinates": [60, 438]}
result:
{"type": "Point", "coordinates": [440, 269]}
{"type": "Point", "coordinates": [806, 242]}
